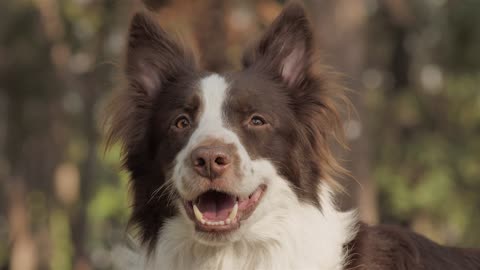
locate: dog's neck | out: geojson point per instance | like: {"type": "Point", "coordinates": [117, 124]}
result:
{"type": "Point", "coordinates": [297, 236]}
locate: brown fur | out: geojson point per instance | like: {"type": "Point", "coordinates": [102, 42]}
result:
{"type": "Point", "coordinates": [156, 68]}
{"type": "Point", "coordinates": [394, 248]}
{"type": "Point", "coordinates": [316, 97]}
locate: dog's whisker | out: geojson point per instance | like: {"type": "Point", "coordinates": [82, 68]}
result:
{"type": "Point", "coordinates": [158, 193]}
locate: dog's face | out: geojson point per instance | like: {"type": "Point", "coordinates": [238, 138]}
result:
{"type": "Point", "coordinates": [208, 147]}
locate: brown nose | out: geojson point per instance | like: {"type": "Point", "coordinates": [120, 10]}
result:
{"type": "Point", "coordinates": [211, 161]}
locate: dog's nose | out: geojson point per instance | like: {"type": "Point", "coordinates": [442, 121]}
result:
{"type": "Point", "coordinates": [211, 161]}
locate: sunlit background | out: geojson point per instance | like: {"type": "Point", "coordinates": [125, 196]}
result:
{"type": "Point", "coordinates": [413, 66]}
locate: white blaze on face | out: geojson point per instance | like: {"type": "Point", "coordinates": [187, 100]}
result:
{"type": "Point", "coordinates": [211, 126]}
{"type": "Point", "coordinates": [213, 91]}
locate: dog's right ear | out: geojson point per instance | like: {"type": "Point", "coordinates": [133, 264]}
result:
{"type": "Point", "coordinates": [153, 57]}
{"type": "Point", "coordinates": [286, 47]}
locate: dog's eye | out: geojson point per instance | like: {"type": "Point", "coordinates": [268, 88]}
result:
{"type": "Point", "coordinates": [182, 122]}
{"type": "Point", "coordinates": [257, 121]}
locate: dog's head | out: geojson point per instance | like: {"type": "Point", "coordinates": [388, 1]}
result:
{"type": "Point", "coordinates": [214, 149]}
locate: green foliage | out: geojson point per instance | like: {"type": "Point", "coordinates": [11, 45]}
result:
{"type": "Point", "coordinates": [430, 163]}
{"type": "Point", "coordinates": [110, 202]}
{"type": "Point", "coordinates": [62, 248]}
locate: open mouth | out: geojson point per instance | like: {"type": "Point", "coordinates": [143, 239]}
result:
{"type": "Point", "coordinates": [217, 211]}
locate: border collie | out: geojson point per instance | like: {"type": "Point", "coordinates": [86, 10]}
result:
{"type": "Point", "coordinates": [234, 170]}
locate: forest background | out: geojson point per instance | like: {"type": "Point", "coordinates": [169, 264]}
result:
{"type": "Point", "coordinates": [413, 67]}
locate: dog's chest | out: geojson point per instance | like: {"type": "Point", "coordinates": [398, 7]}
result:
{"type": "Point", "coordinates": [306, 240]}
{"type": "Point", "coordinates": [242, 256]}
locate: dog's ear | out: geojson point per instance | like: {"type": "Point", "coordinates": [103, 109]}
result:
{"type": "Point", "coordinates": [153, 57]}
{"type": "Point", "coordinates": [285, 47]}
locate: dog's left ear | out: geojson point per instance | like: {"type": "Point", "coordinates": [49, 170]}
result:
{"type": "Point", "coordinates": [285, 47]}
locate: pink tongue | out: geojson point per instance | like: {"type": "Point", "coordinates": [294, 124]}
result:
{"type": "Point", "coordinates": [215, 205]}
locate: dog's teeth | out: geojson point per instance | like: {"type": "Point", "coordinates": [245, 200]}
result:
{"type": "Point", "coordinates": [229, 220]}
{"type": "Point", "coordinates": [197, 213]}
{"type": "Point", "coordinates": [233, 214]}
{"type": "Point", "coordinates": [215, 223]}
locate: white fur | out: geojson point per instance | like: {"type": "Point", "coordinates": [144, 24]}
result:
{"type": "Point", "coordinates": [282, 233]}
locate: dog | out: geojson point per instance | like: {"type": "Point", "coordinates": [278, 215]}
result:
{"type": "Point", "coordinates": [235, 170]}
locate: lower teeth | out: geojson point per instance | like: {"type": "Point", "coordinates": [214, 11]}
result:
{"type": "Point", "coordinates": [199, 216]}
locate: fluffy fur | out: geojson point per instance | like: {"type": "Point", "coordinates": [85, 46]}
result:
{"type": "Point", "coordinates": [273, 121]}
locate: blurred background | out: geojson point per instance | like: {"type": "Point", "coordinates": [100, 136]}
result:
{"type": "Point", "coordinates": [413, 66]}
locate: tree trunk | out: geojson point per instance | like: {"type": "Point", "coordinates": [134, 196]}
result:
{"type": "Point", "coordinates": [24, 251]}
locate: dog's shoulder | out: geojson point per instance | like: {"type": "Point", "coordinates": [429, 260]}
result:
{"type": "Point", "coordinates": [386, 247]}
